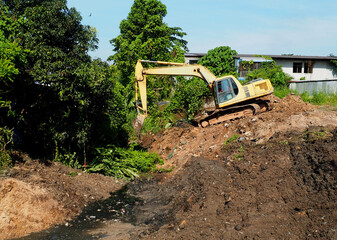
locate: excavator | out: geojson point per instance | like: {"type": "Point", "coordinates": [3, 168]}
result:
{"type": "Point", "coordinates": [231, 99]}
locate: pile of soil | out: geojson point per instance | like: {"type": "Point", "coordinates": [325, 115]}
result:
{"type": "Point", "coordinates": [283, 189]}
{"type": "Point", "coordinates": [35, 195]}
{"type": "Point", "coordinates": [176, 145]}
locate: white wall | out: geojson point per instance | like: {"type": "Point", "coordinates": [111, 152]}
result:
{"type": "Point", "coordinates": [322, 70]}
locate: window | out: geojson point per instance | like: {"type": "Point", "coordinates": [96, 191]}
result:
{"type": "Point", "coordinates": [193, 62]}
{"type": "Point", "coordinates": [246, 67]}
{"type": "Point", "coordinates": [308, 66]}
{"type": "Point", "coordinates": [297, 67]}
{"type": "Point", "coordinates": [226, 90]}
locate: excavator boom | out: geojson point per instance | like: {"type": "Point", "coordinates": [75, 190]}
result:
{"type": "Point", "coordinates": [174, 69]}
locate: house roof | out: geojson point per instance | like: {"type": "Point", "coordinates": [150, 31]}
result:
{"type": "Point", "coordinates": [297, 57]}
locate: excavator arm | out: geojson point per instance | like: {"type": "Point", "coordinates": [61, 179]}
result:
{"type": "Point", "coordinates": [174, 69]}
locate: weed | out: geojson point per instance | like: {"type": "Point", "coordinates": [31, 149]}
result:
{"type": "Point", "coordinates": [284, 142]}
{"type": "Point", "coordinates": [238, 156]}
{"type": "Point", "coordinates": [305, 97]}
{"type": "Point", "coordinates": [231, 139]}
{"type": "Point", "coordinates": [241, 149]}
{"type": "Point", "coordinates": [319, 98]}
{"type": "Point", "coordinates": [162, 170]}
{"type": "Point", "coordinates": [73, 174]}
{"type": "Point", "coordinates": [282, 91]}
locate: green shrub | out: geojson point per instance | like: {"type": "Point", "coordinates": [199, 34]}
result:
{"type": "Point", "coordinates": [188, 97]}
{"type": "Point", "coordinates": [319, 98]}
{"type": "Point", "coordinates": [271, 71]}
{"type": "Point", "coordinates": [123, 163]}
{"type": "Point", "coordinates": [282, 91]}
{"type": "Point", "coordinates": [305, 97]}
{"type": "Point", "coordinates": [6, 136]}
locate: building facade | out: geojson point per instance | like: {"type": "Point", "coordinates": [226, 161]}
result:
{"type": "Point", "coordinates": [309, 68]}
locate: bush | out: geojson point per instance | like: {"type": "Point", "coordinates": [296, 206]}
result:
{"type": "Point", "coordinates": [282, 91]}
{"type": "Point", "coordinates": [6, 136]}
{"type": "Point", "coordinates": [271, 71]}
{"type": "Point", "coordinates": [320, 98]}
{"type": "Point", "coordinates": [123, 163]}
{"type": "Point", "coordinates": [189, 96]}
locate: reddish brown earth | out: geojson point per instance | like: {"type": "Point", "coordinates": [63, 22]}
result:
{"type": "Point", "coordinates": [277, 182]}
{"type": "Point", "coordinates": [37, 195]}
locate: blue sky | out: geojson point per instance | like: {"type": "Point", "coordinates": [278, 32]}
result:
{"type": "Point", "coordinates": [300, 27]}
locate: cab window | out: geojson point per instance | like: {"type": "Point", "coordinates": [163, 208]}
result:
{"type": "Point", "coordinates": [226, 90]}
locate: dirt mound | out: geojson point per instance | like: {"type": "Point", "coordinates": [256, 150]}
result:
{"type": "Point", "coordinates": [176, 145]}
{"type": "Point", "coordinates": [283, 189]}
{"type": "Point", "coordinates": [24, 205]}
{"type": "Point", "coordinates": [37, 195]}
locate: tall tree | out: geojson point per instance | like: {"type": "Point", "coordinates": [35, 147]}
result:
{"type": "Point", "coordinates": [144, 35]}
{"type": "Point", "coordinates": [220, 61]}
{"type": "Point", "coordinates": [62, 101]}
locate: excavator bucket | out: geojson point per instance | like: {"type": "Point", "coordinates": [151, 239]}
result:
{"type": "Point", "coordinates": [138, 123]}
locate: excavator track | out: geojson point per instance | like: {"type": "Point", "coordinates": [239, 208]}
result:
{"type": "Point", "coordinates": [235, 112]}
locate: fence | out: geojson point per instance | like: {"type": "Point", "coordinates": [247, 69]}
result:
{"type": "Point", "coordinates": [311, 86]}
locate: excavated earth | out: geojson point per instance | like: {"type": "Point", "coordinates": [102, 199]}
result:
{"type": "Point", "coordinates": [277, 179]}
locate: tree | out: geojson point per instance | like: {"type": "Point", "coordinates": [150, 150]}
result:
{"type": "Point", "coordinates": [144, 35]}
{"type": "Point", "coordinates": [62, 101]}
{"type": "Point", "coordinates": [220, 61]}
{"type": "Point", "coordinates": [12, 55]}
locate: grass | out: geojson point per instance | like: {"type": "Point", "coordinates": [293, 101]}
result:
{"type": "Point", "coordinates": [317, 98]}
{"type": "Point", "coordinates": [282, 92]}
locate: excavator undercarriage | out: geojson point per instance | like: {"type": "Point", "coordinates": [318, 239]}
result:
{"type": "Point", "coordinates": [234, 112]}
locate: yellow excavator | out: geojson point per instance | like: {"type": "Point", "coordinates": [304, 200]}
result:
{"type": "Point", "coordinates": [231, 99]}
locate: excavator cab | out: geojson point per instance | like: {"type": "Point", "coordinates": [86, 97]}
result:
{"type": "Point", "coordinates": [225, 89]}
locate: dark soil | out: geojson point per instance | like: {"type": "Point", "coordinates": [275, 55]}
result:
{"type": "Point", "coordinates": [284, 189]}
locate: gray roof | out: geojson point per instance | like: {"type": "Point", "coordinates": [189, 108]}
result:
{"type": "Point", "coordinates": [298, 57]}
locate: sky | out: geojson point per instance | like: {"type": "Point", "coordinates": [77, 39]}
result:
{"type": "Point", "coordinates": [299, 27]}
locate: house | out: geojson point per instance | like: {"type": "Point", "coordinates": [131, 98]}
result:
{"type": "Point", "coordinates": [299, 67]}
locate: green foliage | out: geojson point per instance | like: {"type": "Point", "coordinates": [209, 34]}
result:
{"type": "Point", "coordinates": [188, 97]}
{"type": "Point", "coordinates": [271, 71]}
{"type": "Point", "coordinates": [320, 98]}
{"type": "Point", "coordinates": [62, 101]}
{"type": "Point", "coordinates": [220, 61]}
{"type": "Point", "coordinates": [123, 163]}
{"type": "Point", "coordinates": [6, 136]}
{"type": "Point", "coordinates": [283, 91]}
{"type": "Point", "coordinates": [144, 35]}
{"type": "Point", "coordinates": [12, 55]}
{"type": "Point", "coordinates": [231, 139]}
{"type": "Point", "coordinates": [305, 97]}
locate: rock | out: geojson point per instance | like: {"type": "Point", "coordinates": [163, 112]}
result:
{"type": "Point", "coordinates": [238, 227]}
